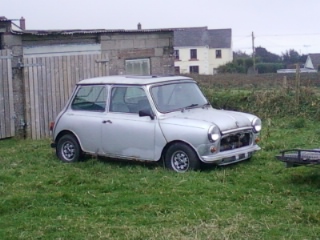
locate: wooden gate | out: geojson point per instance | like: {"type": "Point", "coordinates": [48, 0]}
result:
{"type": "Point", "coordinates": [49, 82]}
{"type": "Point", "coordinates": [6, 96]}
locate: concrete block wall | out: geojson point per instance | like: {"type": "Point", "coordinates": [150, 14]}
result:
{"type": "Point", "coordinates": [158, 47]}
{"type": "Point", "coordinates": [14, 43]}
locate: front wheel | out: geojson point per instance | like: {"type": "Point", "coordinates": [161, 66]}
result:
{"type": "Point", "coordinates": [181, 158]}
{"type": "Point", "coordinates": [68, 149]}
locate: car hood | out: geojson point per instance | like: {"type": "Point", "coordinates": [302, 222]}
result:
{"type": "Point", "coordinates": [204, 117]}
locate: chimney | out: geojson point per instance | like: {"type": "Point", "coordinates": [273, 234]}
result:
{"type": "Point", "coordinates": [22, 23]}
{"type": "Point", "coordinates": [139, 26]}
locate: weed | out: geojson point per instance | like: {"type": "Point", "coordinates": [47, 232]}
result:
{"type": "Point", "coordinates": [298, 123]}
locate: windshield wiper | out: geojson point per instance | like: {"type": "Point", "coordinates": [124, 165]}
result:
{"type": "Point", "coordinates": [207, 104]}
{"type": "Point", "coordinates": [191, 106]}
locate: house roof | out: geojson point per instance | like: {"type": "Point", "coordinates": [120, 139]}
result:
{"type": "Point", "coordinates": [202, 36]}
{"type": "Point", "coordinates": [219, 38]}
{"type": "Point", "coordinates": [315, 59]}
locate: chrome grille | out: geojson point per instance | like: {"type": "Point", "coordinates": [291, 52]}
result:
{"type": "Point", "coordinates": [235, 140]}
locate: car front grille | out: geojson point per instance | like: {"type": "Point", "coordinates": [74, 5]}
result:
{"type": "Point", "coordinates": [235, 140]}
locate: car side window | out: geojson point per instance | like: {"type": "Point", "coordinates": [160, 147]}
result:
{"type": "Point", "coordinates": [90, 98]}
{"type": "Point", "coordinates": [134, 94]}
{"type": "Point", "coordinates": [117, 103]}
{"type": "Point", "coordinates": [128, 99]}
{"type": "Point", "coordinates": [136, 99]}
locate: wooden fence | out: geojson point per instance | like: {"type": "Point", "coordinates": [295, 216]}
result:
{"type": "Point", "coordinates": [7, 128]}
{"type": "Point", "coordinates": [49, 82]}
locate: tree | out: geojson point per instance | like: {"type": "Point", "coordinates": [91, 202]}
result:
{"type": "Point", "coordinates": [265, 56]}
{"type": "Point", "coordinates": [291, 57]}
{"type": "Point", "coordinates": [266, 62]}
{"type": "Point", "coordinates": [240, 54]}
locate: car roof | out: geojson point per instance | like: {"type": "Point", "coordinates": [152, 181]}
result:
{"type": "Point", "coordinates": [132, 80]}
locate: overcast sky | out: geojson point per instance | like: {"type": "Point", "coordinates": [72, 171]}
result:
{"type": "Point", "coordinates": [278, 25]}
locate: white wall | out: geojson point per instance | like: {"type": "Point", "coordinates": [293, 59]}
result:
{"type": "Point", "coordinates": [308, 63]}
{"type": "Point", "coordinates": [206, 59]}
{"type": "Point", "coordinates": [226, 56]}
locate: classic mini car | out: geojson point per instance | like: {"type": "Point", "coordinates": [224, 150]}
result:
{"type": "Point", "coordinates": [152, 118]}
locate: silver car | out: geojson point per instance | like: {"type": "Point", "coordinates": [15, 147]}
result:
{"type": "Point", "coordinates": [150, 119]}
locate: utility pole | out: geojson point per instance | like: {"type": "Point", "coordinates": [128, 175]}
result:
{"type": "Point", "coordinates": [253, 54]}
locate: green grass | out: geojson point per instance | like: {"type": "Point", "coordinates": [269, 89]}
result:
{"type": "Point", "coordinates": [43, 198]}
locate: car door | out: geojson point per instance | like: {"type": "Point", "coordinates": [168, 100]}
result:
{"type": "Point", "coordinates": [124, 133]}
{"type": "Point", "coordinates": [85, 114]}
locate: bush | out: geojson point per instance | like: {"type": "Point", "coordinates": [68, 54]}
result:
{"type": "Point", "coordinates": [239, 65]}
{"type": "Point", "coordinates": [268, 103]}
{"type": "Point", "coordinates": [269, 67]}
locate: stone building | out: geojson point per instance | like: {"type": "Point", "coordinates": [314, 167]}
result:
{"type": "Point", "coordinates": [38, 68]}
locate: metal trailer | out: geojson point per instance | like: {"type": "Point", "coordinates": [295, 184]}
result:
{"type": "Point", "coordinates": [299, 157]}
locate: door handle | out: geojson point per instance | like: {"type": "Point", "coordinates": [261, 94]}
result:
{"type": "Point", "coordinates": [106, 121]}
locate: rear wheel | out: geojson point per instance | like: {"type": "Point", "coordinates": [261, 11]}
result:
{"type": "Point", "coordinates": [181, 158]}
{"type": "Point", "coordinates": [68, 149]}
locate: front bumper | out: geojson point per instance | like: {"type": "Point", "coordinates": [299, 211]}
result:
{"type": "Point", "coordinates": [231, 156]}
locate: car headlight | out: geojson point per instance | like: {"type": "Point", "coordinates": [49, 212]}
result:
{"type": "Point", "coordinates": [214, 133]}
{"type": "Point", "coordinates": [256, 124]}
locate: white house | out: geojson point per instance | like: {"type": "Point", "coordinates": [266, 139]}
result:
{"type": "Point", "coordinates": [312, 65]}
{"type": "Point", "coordinates": [313, 61]}
{"type": "Point", "coordinates": [201, 50]}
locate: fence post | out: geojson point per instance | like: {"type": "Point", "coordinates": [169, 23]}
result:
{"type": "Point", "coordinates": [297, 87]}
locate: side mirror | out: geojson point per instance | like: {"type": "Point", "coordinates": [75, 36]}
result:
{"type": "Point", "coordinates": [146, 113]}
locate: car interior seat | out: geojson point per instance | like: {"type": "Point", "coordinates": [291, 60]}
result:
{"type": "Point", "coordinates": [119, 107]}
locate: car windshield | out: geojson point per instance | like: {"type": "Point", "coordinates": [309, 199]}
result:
{"type": "Point", "coordinates": [177, 96]}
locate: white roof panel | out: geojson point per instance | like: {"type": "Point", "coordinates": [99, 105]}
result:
{"type": "Point", "coordinates": [134, 80]}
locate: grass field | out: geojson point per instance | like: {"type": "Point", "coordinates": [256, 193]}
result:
{"type": "Point", "coordinates": [43, 198]}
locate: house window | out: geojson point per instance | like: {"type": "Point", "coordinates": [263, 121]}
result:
{"type": "Point", "coordinates": [194, 69]}
{"type": "Point", "coordinates": [176, 55]}
{"type": "Point", "coordinates": [138, 66]}
{"type": "Point", "coordinates": [218, 54]}
{"type": "Point", "coordinates": [177, 70]}
{"type": "Point", "coordinates": [193, 53]}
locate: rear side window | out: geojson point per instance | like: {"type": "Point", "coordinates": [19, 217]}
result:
{"type": "Point", "coordinates": [90, 98]}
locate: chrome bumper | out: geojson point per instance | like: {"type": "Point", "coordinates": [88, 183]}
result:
{"type": "Point", "coordinates": [231, 156]}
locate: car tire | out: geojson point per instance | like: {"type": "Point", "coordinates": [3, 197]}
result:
{"type": "Point", "coordinates": [68, 149]}
{"type": "Point", "coordinates": [181, 158]}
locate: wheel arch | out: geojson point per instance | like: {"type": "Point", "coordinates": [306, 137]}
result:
{"type": "Point", "coordinates": [66, 132]}
{"type": "Point", "coordinates": [165, 149]}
